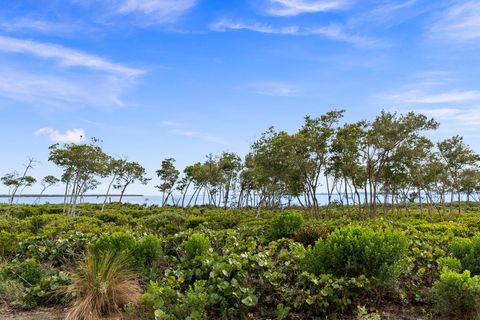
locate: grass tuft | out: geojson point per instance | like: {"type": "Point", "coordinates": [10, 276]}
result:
{"type": "Point", "coordinates": [103, 284]}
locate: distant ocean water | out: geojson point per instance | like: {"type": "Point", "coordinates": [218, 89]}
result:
{"type": "Point", "coordinates": [157, 200]}
{"type": "Point", "coordinates": [90, 199]}
{"type": "Point", "coordinates": [146, 199]}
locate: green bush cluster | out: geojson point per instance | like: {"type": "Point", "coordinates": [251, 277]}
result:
{"type": "Point", "coordinates": [457, 294]}
{"type": "Point", "coordinates": [165, 223]}
{"type": "Point", "coordinates": [144, 253]}
{"type": "Point", "coordinates": [353, 251]}
{"type": "Point", "coordinates": [285, 224]}
{"type": "Point", "coordinates": [310, 233]}
{"type": "Point", "coordinates": [8, 243]}
{"type": "Point", "coordinates": [197, 245]}
{"type": "Point", "coordinates": [468, 252]}
{"type": "Point", "coordinates": [66, 250]}
{"type": "Point", "coordinates": [171, 305]}
{"type": "Point", "coordinates": [26, 284]}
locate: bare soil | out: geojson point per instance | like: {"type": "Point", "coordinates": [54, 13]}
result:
{"type": "Point", "coordinates": [38, 314]}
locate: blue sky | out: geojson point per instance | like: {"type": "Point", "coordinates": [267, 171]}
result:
{"type": "Point", "coordinates": [183, 78]}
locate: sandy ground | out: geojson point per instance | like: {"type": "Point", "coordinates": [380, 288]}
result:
{"type": "Point", "coordinates": [39, 314]}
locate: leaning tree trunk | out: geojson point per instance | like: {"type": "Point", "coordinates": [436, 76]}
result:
{"type": "Point", "coordinates": [108, 191]}
{"type": "Point", "coordinates": [262, 202]}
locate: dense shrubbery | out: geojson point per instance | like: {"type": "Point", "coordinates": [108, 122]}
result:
{"type": "Point", "coordinates": [142, 254]}
{"type": "Point", "coordinates": [26, 284]}
{"type": "Point", "coordinates": [286, 224]}
{"type": "Point", "coordinates": [197, 245]}
{"type": "Point", "coordinates": [211, 263]}
{"type": "Point", "coordinates": [310, 233]}
{"type": "Point", "coordinates": [468, 252]}
{"type": "Point", "coordinates": [457, 294]}
{"type": "Point", "coordinates": [356, 251]}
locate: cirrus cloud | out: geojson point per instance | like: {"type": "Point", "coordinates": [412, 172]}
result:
{"type": "Point", "coordinates": [296, 7]}
{"type": "Point", "coordinates": [66, 57]}
{"type": "Point", "coordinates": [459, 22]}
{"type": "Point", "coordinates": [69, 136]}
{"type": "Point", "coordinates": [334, 32]}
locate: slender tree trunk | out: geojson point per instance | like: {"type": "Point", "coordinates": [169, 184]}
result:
{"type": "Point", "coordinates": [451, 202]}
{"type": "Point", "coordinates": [185, 193]}
{"type": "Point", "coordinates": [421, 203]}
{"type": "Point", "coordinates": [193, 196]}
{"type": "Point", "coordinates": [459, 203]}
{"type": "Point", "coordinates": [263, 201]}
{"type": "Point", "coordinates": [385, 203]}
{"type": "Point", "coordinates": [22, 179]}
{"type": "Point", "coordinates": [239, 202]}
{"type": "Point", "coordinates": [108, 191]}
{"type": "Point", "coordinates": [123, 192]}
{"type": "Point", "coordinates": [65, 196]}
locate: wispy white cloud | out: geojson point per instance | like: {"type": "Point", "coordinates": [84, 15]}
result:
{"type": "Point", "coordinates": [224, 25]}
{"type": "Point", "coordinates": [65, 92]}
{"type": "Point", "coordinates": [335, 32]}
{"type": "Point", "coordinates": [141, 12]}
{"type": "Point", "coordinates": [421, 97]}
{"type": "Point", "coordinates": [459, 22]}
{"type": "Point", "coordinates": [161, 10]}
{"type": "Point", "coordinates": [433, 93]}
{"type": "Point", "coordinates": [95, 82]}
{"type": "Point", "coordinates": [393, 7]}
{"type": "Point", "coordinates": [27, 24]}
{"type": "Point", "coordinates": [339, 33]}
{"type": "Point", "coordinates": [65, 56]}
{"type": "Point", "coordinates": [389, 13]}
{"type": "Point", "coordinates": [297, 7]}
{"type": "Point", "coordinates": [468, 116]}
{"type": "Point", "coordinates": [276, 89]}
{"type": "Point", "coordinates": [72, 135]}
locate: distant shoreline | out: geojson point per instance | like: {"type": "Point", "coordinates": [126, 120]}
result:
{"type": "Point", "coordinates": [61, 195]}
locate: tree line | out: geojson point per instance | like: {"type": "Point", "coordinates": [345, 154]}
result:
{"type": "Point", "coordinates": [385, 164]}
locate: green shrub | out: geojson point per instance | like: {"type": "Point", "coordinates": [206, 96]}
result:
{"type": "Point", "coordinates": [8, 243]}
{"type": "Point", "coordinates": [468, 252]}
{"type": "Point", "coordinates": [37, 222]}
{"type": "Point", "coordinates": [59, 252]}
{"type": "Point", "coordinates": [114, 243]}
{"type": "Point", "coordinates": [114, 217]}
{"type": "Point", "coordinates": [354, 251]}
{"type": "Point", "coordinates": [164, 223]}
{"type": "Point", "coordinates": [28, 271]}
{"type": "Point", "coordinates": [310, 233]}
{"type": "Point", "coordinates": [285, 224]}
{"type": "Point", "coordinates": [147, 251]}
{"type": "Point", "coordinates": [26, 285]}
{"type": "Point", "coordinates": [194, 220]}
{"type": "Point", "coordinates": [196, 245]}
{"type": "Point", "coordinates": [168, 305]}
{"type": "Point", "coordinates": [71, 224]}
{"type": "Point", "coordinates": [325, 295]}
{"type": "Point", "coordinates": [449, 263]}
{"type": "Point", "coordinates": [11, 291]}
{"type": "Point", "coordinates": [142, 254]}
{"type": "Point", "coordinates": [457, 295]}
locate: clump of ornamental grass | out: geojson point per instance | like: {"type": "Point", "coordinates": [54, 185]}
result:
{"type": "Point", "coordinates": [103, 284]}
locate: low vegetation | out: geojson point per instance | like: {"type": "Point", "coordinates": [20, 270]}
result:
{"type": "Point", "coordinates": [210, 263]}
